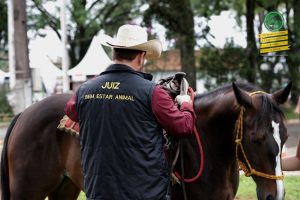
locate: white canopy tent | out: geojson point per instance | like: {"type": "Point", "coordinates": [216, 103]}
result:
{"type": "Point", "coordinates": [45, 75]}
{"type": "Point", "coordinates": [45, 70]}
{"type": "Point", "coordinates": [93, 63]}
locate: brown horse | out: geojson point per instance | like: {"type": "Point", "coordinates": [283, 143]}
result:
{"type": "Point", "coordinates": [220, 116]}
{"type": "Point", "coordinates": [38, 160]}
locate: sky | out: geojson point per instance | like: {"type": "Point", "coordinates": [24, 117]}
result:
{"type": "Point", "coordinates": [222, 27]}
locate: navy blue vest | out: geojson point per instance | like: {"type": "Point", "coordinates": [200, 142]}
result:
{"type": "Point", "coordinates": [121, 142]}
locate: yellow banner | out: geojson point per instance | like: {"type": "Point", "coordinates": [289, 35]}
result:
{"type": "Point", "coordinates": [273, 44]}
{"type": "Point", "coordinates": [274, 49]}
{"type": "Point", "coordinates": [272, 34]}
{"type": "Point", "coordinates": [274, 39]}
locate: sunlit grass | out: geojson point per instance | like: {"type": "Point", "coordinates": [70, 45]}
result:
{"type": "Point", "coordinates": [247, 189]}
{"type": "Point", "coordinates": [289, 111]}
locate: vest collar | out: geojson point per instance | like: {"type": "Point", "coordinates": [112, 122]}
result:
{"type": "Point", "coordinates": [114, 68]}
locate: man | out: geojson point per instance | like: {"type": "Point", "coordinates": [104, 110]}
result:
{"type": "Point", "coordinates": [122, 114]}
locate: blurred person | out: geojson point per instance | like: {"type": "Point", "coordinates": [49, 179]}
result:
{"type": "Point", "coordinates": [292, 163]}
{"type": "Point", "coordinates": [122, 114]}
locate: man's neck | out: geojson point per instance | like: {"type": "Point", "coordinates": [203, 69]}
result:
{"type": "Point", "coordinates": [133, 65]}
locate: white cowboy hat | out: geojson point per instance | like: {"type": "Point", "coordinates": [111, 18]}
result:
{"type": "Point", "coordinates": [135, 37]}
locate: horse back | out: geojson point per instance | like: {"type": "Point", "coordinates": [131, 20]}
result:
{"type": "Point", "coordinates": [4, 167]}
{"type": "Point", "coordinates": [32, 153]}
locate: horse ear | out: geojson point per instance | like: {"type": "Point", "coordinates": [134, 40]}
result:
{"type": "Point", "coordinates": [242, 97]}
{"type": "Point", "coordinates": [282, 95]}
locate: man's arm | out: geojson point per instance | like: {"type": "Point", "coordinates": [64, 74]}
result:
{"type": "Point", "coordinates": [176, 121]}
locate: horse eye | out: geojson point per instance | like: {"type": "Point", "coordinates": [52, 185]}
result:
{"type": "Point", "coordinates": [256, 141]}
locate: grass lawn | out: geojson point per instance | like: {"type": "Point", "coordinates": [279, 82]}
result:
{"type": "Point", "coordinates": [247, 189]}
{"type": "Point", "coordinates": [289, 111]}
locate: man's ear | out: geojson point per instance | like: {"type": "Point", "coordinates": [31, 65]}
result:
{"type": "Point", "coordinates": [141, 59]}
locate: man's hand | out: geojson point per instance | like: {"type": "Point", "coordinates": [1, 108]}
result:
{"type": "Point", "coordinates": [183, 98]}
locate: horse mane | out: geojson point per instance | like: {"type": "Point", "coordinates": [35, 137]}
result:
{"type": "Point", "coordinates": [227, 88]}
{"type": "Point", "coordinates": [268, 105]}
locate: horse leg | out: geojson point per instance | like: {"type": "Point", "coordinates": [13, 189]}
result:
{"type": "Point", "coordinates": [35, 166]}
{"type": "Point", "coordinates": [67, 190]}
{"type": "Point", "coordinates": [32, 185]}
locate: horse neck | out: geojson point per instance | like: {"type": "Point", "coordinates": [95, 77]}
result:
{"type": "Point", "coordinates": [217, 116]}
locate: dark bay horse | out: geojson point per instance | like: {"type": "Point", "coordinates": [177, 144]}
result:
{"type": "Point", "coordinates": [38, 160]}
{"type": "Point", "coordinates": [220, 116]}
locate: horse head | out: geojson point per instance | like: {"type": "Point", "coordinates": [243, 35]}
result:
{"type": "Point", "coordinates": [260, 135]}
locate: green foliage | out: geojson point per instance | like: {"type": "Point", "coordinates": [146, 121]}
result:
{"type": "Point", "coordinates": [289, 112]}
{"type": "Point", "coordinates": [4, 61]}
{"type": "Point", "coordinates": [3, 25]}
{"type": "Point", "coordinates": [5, 108]}
{"type": "Point", "coordinates": [220, 66]}
{"type": "Point", "coordinates": [207, 8]}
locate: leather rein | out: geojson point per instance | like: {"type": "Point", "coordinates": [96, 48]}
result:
{"type": "Point", "coordinates": [200, 149]}
{"type": "Point", "coordinates": [184, 89]}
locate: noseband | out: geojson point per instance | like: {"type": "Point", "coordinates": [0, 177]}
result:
{"type": "Point", "coordinates": [246, 166]}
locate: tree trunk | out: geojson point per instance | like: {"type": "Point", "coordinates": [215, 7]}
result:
{"type": "Point", "coordinates": [251, 43]}
{"type": "Point", "coordinates": [21, 40]}
{"type": "Point", "coordinates": [186, 41]}
{"type": "Point", "coordinates": [22, 90]}
{"type": "Point", "coordinates": [293, 58]}
{"type": "Point", "coordinates": [187, 58]}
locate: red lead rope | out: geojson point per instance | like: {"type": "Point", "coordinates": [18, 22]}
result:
{"type": "Point", "coordinates": [201, 161]}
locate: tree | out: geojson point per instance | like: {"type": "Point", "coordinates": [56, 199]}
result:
{"type": "Point", "coordinates": [87, 18]}
{"type": "Point", "coordinates": [3, 25]}
{"type": "Point", "coordinates": [3, 36]}
{"type": "Point", "coordinates": [293, 58]}
{"type": "Point", "coordinates": [252, 52]}
{"type": "Point", "coordinates": [220, 66]}
{"type": "Point", "coordinates": [271, 77]}
{"type": "Point", "coordinates": [178, 18]}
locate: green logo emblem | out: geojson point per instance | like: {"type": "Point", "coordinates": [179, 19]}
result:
{"type": "Point", "coordinates": [274, 21]}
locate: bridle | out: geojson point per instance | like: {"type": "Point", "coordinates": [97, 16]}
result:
{"type": "Point", "coordinates": [246, 166]}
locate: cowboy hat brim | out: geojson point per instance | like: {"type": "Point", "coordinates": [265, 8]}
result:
{"type": "Point", "coordinates": [152, 48]}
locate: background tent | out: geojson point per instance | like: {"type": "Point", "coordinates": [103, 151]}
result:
{"type": "Point", "coordinates": [93, 63]}
{"type": "Point", "coordinates": [44, 70]}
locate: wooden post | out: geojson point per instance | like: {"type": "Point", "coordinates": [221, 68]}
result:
{"type": "Point", "coordinates": [65, 58]}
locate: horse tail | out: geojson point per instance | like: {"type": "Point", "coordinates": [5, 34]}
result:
{"type": "Point", "coordinates": [5, 194]}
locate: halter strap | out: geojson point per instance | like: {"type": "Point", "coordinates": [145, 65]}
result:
{"type": "Point", "coordinates": [246, 167]}
{"type": "Point", "coordinates": [257, 92]}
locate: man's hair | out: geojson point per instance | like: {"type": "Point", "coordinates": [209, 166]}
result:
{"type": "Point", "coordinates": [125, 54]}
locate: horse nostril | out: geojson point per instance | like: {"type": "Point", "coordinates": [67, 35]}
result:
{"type": "Point", "coordinates": [270, 197]}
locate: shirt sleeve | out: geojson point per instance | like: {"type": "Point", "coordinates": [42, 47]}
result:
{"type": "Point", "coordinates": [70, 109]}
{"type": "Point", "coordinates": [175, 121]}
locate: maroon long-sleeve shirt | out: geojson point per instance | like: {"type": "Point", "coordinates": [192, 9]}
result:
{"type": "Point", "coordinates": [174, 121]}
